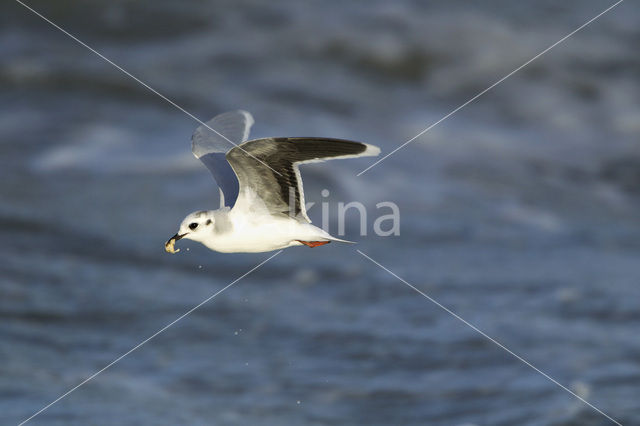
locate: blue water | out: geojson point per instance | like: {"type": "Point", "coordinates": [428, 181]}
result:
{"type": "Point", "coordinates": [519, 213]}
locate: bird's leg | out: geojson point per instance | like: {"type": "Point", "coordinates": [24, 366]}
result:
{"type": "Point", "coordinates": [313, 243]}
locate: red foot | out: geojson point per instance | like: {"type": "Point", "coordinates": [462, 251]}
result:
{"type": "Point", "coordinates": [314, 243]}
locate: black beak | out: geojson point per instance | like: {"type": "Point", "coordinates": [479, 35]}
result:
{"type": "Point", "coordinates": [168, 246]}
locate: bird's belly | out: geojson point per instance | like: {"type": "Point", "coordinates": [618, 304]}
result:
{"type": "Point", "coordinates": [254, 236]}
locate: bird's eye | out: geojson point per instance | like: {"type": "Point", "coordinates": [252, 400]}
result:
{"type": "Point", "coordinates": [193, 225]}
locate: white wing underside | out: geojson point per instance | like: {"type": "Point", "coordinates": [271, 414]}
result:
{"type": "Point", "coordinates": [211, 141]}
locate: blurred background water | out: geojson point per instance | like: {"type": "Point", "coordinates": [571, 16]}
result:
{"type": "Point", "coordinates": [520, 213]}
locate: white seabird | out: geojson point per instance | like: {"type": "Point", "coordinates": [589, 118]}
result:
{"type": "Point", "coordinates": [261, 196]}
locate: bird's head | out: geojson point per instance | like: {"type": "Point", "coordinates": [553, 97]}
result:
{"type": "Point", "coordinates": [193, 227]}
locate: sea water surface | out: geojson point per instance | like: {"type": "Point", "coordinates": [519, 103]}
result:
{"type": "Point", "coordinates": [520, 213]}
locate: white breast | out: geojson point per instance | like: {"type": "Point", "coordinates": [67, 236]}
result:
{"type": "Point", "coordinates": [255, 233]}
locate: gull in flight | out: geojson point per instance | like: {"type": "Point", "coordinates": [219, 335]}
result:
{"type": "Point", "coordinates": [261, 196]}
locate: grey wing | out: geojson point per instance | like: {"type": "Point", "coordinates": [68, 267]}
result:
{"type": "Point", "coordinates": [268, 168]}
{"type": "Point", "coordinates": [211, 141]}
